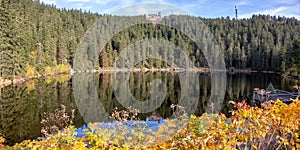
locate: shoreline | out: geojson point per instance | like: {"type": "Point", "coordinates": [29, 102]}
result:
{"type": "Point", "coordinates": [20, 80]}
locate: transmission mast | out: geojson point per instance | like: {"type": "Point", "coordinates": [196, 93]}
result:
{"type": "Point", "coordinates": [236, 12]}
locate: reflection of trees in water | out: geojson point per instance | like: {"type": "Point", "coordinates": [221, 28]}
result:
{"type": "Point", "coordinates": [21, 110]}
{"type": "Point", "coordinates": [139, 84]}
{"type": "Point", "coordinates": [239, 87]}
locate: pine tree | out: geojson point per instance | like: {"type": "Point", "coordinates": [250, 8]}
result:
{"type": "Point", "coordinates": [8, 41]}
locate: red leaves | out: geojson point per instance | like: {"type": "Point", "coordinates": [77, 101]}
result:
{"type": "Point", "coordinates": [241, 104]}
{"type": "Point", "coordinates": [237, 105]}
{"type": "Point", "coordinates": [248, 107]}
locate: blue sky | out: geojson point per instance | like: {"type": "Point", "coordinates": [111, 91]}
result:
{"type": "Point", "coordinates": [203, 8]}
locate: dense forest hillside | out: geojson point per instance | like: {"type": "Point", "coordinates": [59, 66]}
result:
{"type": "Point", "coordinates": [35, 37]}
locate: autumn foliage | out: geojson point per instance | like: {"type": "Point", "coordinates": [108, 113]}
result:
{"type": "Point", "coordinates": [275, 125]}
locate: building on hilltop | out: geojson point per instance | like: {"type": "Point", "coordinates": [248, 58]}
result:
{"type": "Point", "coordinates": [154, 18]}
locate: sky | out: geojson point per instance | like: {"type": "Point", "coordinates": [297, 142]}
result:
{"type": "Point", "coordinates": [202, 8]}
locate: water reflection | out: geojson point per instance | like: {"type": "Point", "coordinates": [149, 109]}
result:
{"type": "Point", "coordinates": [22, 107]}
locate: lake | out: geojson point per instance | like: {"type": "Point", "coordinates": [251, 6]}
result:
{"type": "Point", "coordinates": [94, 99]}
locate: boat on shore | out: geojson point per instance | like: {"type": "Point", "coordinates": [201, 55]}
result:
{"type": "Point", "coordinates": [270, 93]}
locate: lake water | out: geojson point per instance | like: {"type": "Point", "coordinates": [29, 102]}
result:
{"type": "Point", "coordinates": [93, 98]}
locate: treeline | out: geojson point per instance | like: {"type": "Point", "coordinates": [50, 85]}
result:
{"type": "Point", "coordinates": [35, 36]}
{"type": "Point", "coordinates": [263, 43]}
{"type": "Point", "coordinates": [260, 43]}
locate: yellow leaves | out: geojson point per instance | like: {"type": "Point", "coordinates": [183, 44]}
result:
{"type": "Point", "coordinates": [30, 85]}
{"type": "Point", "coordinates": [79, 145]}
{"type": "Point", "coordinates": [254, 146]}
{"type": "Point", "coordinates": [30, 71]}
{"type": "Point", "coordinates": [164, 146]}
{"type": "Point", "coordinates": [162, 129]}
{"type": "Point", "coordinates": [262, 134]}
{"type": "Point", "coordinates": [48, 70]}
{"type": "Point", "coordinates": [171, 124]}
{"type": "Point", "coordinates": [206, 141]}
{"type": "Point", "coordinates": [210, 131]}
{"type": "Point", "coordinates": [2, 140]}
{"type": "Point", "coordinates": [62, 78]}
{"type": "Point", "coordinates": [54, 62]}
{"type": "Point", "coordinates": [298, 145]}
{"type": "Point", "coordinates": [48, 79]}
{"type": "Point", "coordinates": [61, 68]}
{"type": "Point", "coordinates": [258, 124]}
{"type": "Point", "coordinates": [100, 143]}
{"type": "Point", "coordinates": [33, 53]}
{"type": "Point", "coordinates": [284, 141]}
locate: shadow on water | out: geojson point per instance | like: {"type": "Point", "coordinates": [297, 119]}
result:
{"type": "Point", "coordinates": [22, 107]}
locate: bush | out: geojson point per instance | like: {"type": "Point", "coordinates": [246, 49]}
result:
{"type": "Point", "coordinates": [53, 122]}
{"type": "Point", "coordinates": [274, 126]}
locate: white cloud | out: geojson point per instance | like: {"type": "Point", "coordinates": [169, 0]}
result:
{"type": "Point", "coordinates": [49, 1]}
{"type": "Point", "coordinates": [280, 11]}
{"type": "Point", "coordinates": [243, 3]}
{"type": "Point", "coordinates": [142, 10]}
{"type": "Point", "coordinates": [206, 8]}
{"type": "Point", "coordinates": [288, 2]}
{"type": "Point", "coordinates": [113, 5]}
{"type": "Point", "coordinates": [149, 8]}
{"type": "Point", "coordinates": [105, 2]}
{"type": "Point", "coordinates": [78, 1]}
{"type": "Point", "coordinates": [274, 11]}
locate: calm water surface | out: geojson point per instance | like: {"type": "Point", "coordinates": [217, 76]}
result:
{"type": "Point", "coordinates": [22, 107]}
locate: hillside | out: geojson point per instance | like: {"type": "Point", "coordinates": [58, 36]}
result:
{"type": "Point", "coordinates": [36, 37]}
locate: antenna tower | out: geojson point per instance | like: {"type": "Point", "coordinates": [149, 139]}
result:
{"type": "Point", "coordinates": [236, 12]}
